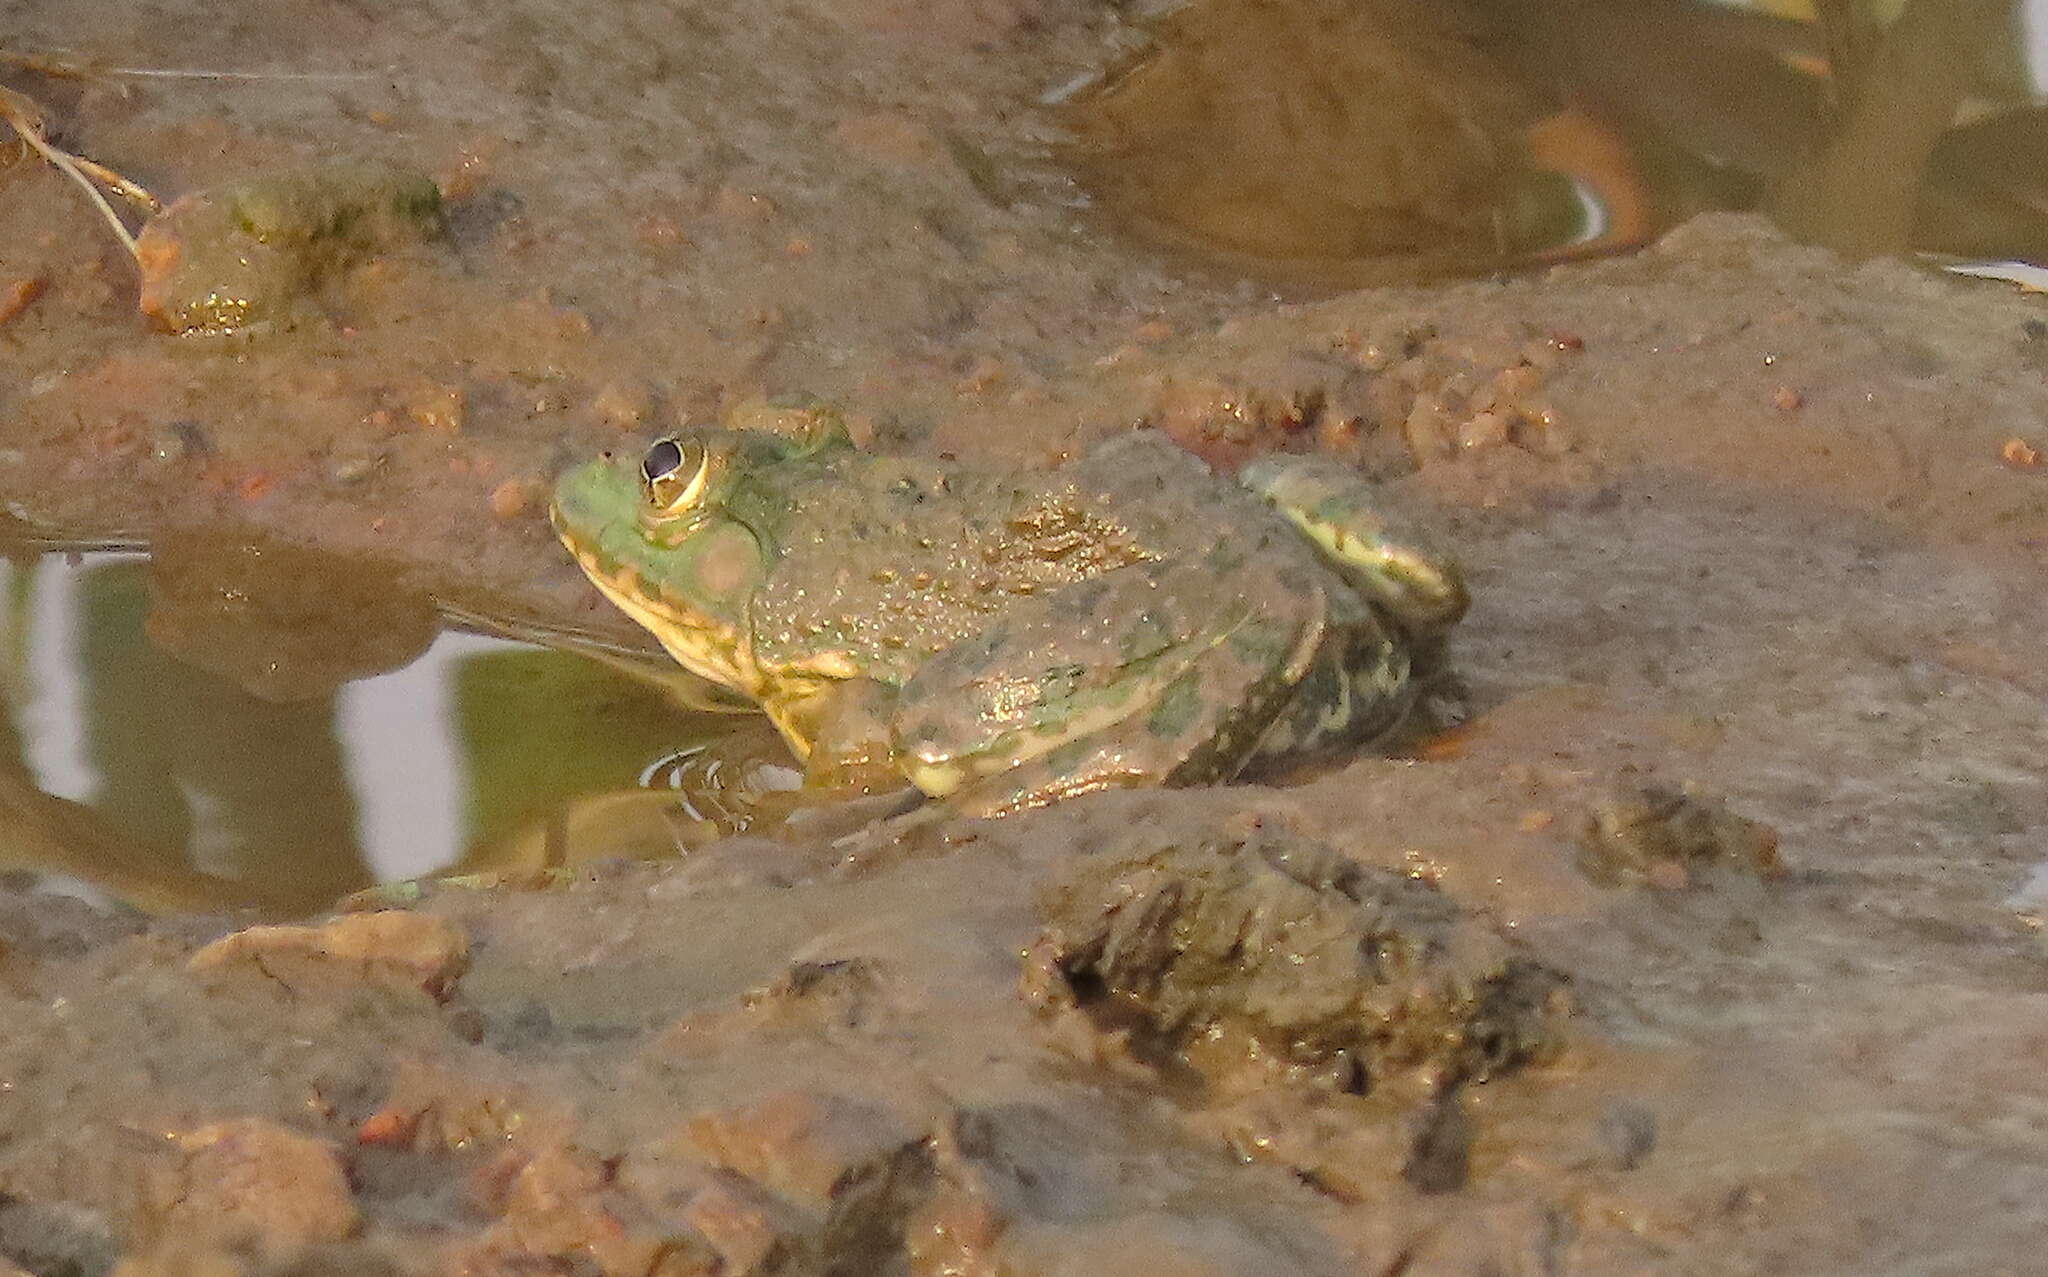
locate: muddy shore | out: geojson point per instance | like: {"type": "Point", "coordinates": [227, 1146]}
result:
{"type": "Point", "coordinates": [1696, 949]}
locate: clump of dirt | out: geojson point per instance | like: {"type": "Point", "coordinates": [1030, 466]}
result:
{"type": "Point", "coordinates": [1347, 975]}
{"type": "Point", "coordinates": [1389, 397]}
{"type": "Point", "coordinates": [1643, 831]}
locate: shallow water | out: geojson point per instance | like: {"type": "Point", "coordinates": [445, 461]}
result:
{"type": "Point", "coordinates": [1344, 144]}
{"type": "Point", "coordinates": [139, 776]}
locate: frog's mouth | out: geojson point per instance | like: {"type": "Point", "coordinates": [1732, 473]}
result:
{"type": "Point", "coordinates": [703, 644]}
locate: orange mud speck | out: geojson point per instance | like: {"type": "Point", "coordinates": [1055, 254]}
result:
{"type": "Point", "coordinates": [392, 1128]}
{"type": "Point", "coordinates": [1446, 745]}
{"type": "Point", "coordinates": [2018, 454]}
{"type": "Point", "coordinates": [19, 296]}
{"type": "Point", "coordinates": [511, 498]}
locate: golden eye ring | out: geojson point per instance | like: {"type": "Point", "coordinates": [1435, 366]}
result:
{"type": "Point", "coordinates": [675, 474]}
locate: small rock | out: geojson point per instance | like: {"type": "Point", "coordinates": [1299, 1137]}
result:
{"type": "Point", "coordinates": [393, 949]}
{"type": "Point", "coordinates": [1346, 976]}
{"type": "Point", "coordinates": [739, 1227]}
{"type": "Point", "coordinates": [254, 1180]}
{"type": "Point", "coordinates": [181, 441]}
{"type": "Point", "coordinates": [562, 1205]}
{"type": "Point", "coordinates": [1489, 429]}
{"type": "Point", "coordinates": [742, 206]}
{"type": "Point", "coordinates": [805, 1145]}
{"type": "Point", "coordinates": [512, 498]}
{"type": "Point", "coordinates": [353, 465]}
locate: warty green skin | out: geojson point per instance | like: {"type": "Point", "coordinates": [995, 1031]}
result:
{"type": "Point", "coordinates": [1126, 619]}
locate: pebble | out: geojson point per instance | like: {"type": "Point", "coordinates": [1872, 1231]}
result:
{"type": "Point", "coordinates": [513, 497]}
{"type": "Point", "coordinates": [395, 948]}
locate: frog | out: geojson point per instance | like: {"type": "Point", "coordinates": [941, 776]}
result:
{"type": "Point", "coordinates": [1002, 639]}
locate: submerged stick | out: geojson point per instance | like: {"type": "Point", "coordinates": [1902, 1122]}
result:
{"type": "Point", "coordinates": [22, 114]}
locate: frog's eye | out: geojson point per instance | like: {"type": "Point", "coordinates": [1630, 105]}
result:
{"type": "Point", "coordinates": [676, 472]}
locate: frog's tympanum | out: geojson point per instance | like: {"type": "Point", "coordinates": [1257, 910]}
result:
{"type": "Point", "coordinates": [1005, 640]}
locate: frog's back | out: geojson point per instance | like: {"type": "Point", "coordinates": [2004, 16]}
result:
{"type": "Point", "coordinates": [893, 558]}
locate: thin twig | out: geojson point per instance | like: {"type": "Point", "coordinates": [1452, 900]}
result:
{"type": "Point", "coordinates": [128, 190]}
{"type": "Point", "coordinates": [163, 73]}
{"type": "Point", "coordinates": [26, 118]}
{"type": "Point", "coordinates": [84, 68]}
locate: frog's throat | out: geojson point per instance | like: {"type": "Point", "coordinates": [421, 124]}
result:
{"type": "Point", "coordinates": [708, 648]}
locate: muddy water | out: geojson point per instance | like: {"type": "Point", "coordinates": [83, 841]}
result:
{"type": "Point", "coordinates": [1751, 778]}
{"type": "Point", "coordinates": [1334, 144]}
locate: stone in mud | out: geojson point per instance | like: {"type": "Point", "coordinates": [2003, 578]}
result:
{"type": "Point", "coordinates": [1664, 836]}
{"type": "Point", "coordinates": [252, 1182]}
{"type": "Point", "coordinates": [563, 1208]}
{"type": "Point", "coordinates": [856, 1168]}
{"type": "Point", "coordinates": [808, 1147]}
{"type": "Point", "coordinates": [247, 254]}
{"type": "Point", "coordinates": [741, 1228]}
{"type": "Point", "coordinates": [1354, 975]}
{"type": "Point", "coordinates": [393, 949]}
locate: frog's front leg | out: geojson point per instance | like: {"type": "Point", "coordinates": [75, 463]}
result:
{"type": "Point", "coordinates": [1155, 674]}
{"type": "Point", "coordinates": [841, 729]}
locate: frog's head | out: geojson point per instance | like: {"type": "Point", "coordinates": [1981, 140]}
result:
{"type": "Point", "coordinates": [663, 536]}
{"type": "Point", "coordinates": [1412, 583]}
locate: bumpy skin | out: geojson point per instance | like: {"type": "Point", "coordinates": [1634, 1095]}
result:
{"type": "Point", "coordinates": [1127, 619]}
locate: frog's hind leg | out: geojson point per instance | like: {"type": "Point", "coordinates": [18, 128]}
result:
{"type": "Point", "coordinates": [1156, 674]}
{"type": "Point", "coordinates": [1357, 693]}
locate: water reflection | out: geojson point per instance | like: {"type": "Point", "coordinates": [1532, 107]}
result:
{"type": "Point", "coordinates": [246, 725]}
{"type": "Point", "coordinates": [1346, 142]}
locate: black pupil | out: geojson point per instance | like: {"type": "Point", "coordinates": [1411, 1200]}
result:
{"type": "Point", "coordinates": [663, 460]}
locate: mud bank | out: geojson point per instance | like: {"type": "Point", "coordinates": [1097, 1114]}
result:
{"type": "Point", "coordinates": [1694, 949]}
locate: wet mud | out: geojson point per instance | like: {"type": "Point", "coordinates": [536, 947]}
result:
{"type": "Point", "coordinates": [1693, 947]}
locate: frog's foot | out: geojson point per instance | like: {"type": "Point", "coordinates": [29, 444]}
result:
{"type": "Point", "coordinates": [1358, 692]}
{"type": "Point", "coordinates": [1159, 673]}
{"type": "Point", "coordinates": [1391, 564]}
{"type": "Point", "coordinates": [844, 730]}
